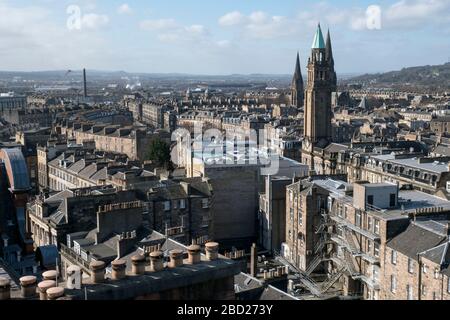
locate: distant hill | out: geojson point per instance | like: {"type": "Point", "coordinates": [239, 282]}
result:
{"type": "Point", "coordinates": [433, 77]}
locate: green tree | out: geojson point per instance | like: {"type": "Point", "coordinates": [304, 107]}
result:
{"type": "Point", "coordinates": [159, 152]}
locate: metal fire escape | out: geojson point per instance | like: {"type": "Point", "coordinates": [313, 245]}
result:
{"type": "Point", "coordinates": [352, 255]}
{"type": "Point", "coordinates": [321, 254]}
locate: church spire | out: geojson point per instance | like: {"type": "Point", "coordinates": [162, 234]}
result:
{"type": "Point", "coordinates": [297, 94]}
{"type": "Point", "coordinates": [318, 42]}
{"type": "Point", "coordinates": [328, 48]}
{"type": "Point", "coordinates": [298, 71]}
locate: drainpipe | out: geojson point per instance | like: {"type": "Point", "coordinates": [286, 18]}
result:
{"type": "Point", "coordinates": [420, 278]}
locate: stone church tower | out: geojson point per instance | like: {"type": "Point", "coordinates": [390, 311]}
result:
{"type": "Point", "coordinates": [320, 86]}
{"type": "Point", "coordinates": [297, 90]}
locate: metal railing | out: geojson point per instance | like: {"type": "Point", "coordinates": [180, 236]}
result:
{"type": "Point", "coordinates": [74, 257]}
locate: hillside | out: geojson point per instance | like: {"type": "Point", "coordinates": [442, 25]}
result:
{"type": "Point", "coordinates": [431, 77]}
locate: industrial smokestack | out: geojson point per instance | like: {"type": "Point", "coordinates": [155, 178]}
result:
{"type": "Point", "coordinates": [84, 83]}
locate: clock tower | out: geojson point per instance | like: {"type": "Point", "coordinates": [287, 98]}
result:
{"type": "Point", "coordinates": [321, 84]}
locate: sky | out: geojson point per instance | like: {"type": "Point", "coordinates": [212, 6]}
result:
{"type": "Point", "coordinates": [220, 36]}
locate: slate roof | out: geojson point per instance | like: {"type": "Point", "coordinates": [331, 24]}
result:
{"type": "Point", "coordinates": [415, 240]}
{"type": "Point", "coordinates": [439, 254]}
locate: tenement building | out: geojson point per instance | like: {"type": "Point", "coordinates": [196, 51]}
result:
{"type": "Point", "coordinates": [372, 240]}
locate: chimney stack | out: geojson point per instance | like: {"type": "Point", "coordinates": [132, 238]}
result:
{"type": "Point", "coordinates": [212, 251]}
{"type": "Point", "coordinates": [43, 287]}
{"type": "Point", "coordinates": [176, 258]}
{"type": "Point", "coordinates": [194, 254]}
{"type": "Point", "coordinates": [5, 289]}
{"type": "Point", "coordinates": [156, 261]}
{"type": "Point", "coordinates": [118, 269]}
{"type": "Point", "coordinates": [84, 83]}
{"type": "Point", "coordinates": [138, 265]}
{"type": "Point", "coordinates": [28, 286]}
{"type": "Point", "coordinates": [97, 271]}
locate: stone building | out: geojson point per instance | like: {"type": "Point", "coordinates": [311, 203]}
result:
{"type": "Point", "coordinates": [50, 219]}
{"type": "Point", "coordinates": [352, 230]}
{"type": "Point", "coordinates": [182, 209]}
{"type": "Point", "coordinates": [440, 125]}
{"type": "Point", "coordinates": [133, 141]}
{"type": "Point", "coordinates": [272, 211]}
{"type": "Point", "coordinates": [417, 264]}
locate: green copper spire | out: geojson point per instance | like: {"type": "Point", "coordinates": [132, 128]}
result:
{"type": "Point", "coordinates": [318, 42]}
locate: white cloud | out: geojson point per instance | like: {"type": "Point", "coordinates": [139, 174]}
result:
{"type": "Point", "coordinates": [159, 24]}
{"type": "Point", "coordinates": [169, 30]}
{"type": "Point", "coordinates": [197, 30]}
{"type": "Point", "coordinates": [407, 13]}
{"type": "Point", "coordinates": [25, 29]}
{"type": "Point", "coordinates": [124, 9]}
{"type": "Point", "coordinates": [259, 24]}
{"type": "Point", "coordinates": [224, 43]}
{"type": "Point", "coordinates": [232, 19]}
{"type": "Point", "coordinates": [94, 21]}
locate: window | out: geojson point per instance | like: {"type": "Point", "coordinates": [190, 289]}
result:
{"type": "Point", "coordinates": [300, 217]}
{"type": "Point", "coordinates": [370, 200]}
{"type": "Point", "coordinates": [435, 296]}
{"type": "Point", "coordinates": [291, 214]}
{"type": "Point", "coordinates": [392, 200]}
{"type": "Point", "coordinates": [377, 226]}
{"type": "Point", "coordinates": [375, 273]}
{"type": "Point", "coordinates": [166, 205]}
{"type": "Point", "coordinates": [205, 203]}
{"type": "Point", "coordinates": [410, 265]}
{"type": "Point", "coordinates": [182, 204]}
{"type": "Point", "coordinates": [424, 268]}
{"type": "Point", "coordinates": [448, 284]}
{"type": "Point", "coordinates": [393, 284]}
{"type": "Point", "coordinates": [358, 219]}
{"type": "Point", "coordinates": [369, 224]}
{"type": "Point", "coordinates": [424, 290]}
{"type": "Point", "coordinates": [376, 249]}
{"type": "Point", "coordinates": [409, 292]}
{"type": "Point", "coordinates": [436, 273]}
{"type": "Point", "coordinates": [394, 257]}
{"type": "Point", "coordinates": [369, 247]}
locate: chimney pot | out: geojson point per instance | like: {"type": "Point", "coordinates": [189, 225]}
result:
{"type": "Point", "coordinates": [43, 286]}
{"type": "Point", "coordinates": [176, 258]}
{"type": "Point", "coordinates": [212, 251]}
{"type": "Point", "coordinates": [5, 289]}
{"type": "Point", "coordinates": [138, 265]}
{"type": "Point", "coordinates": [118, 269]}
{"type": "Point", "coordinates": [156, 261]}
{"type": "Point", "coordinates": [55, 293]}
{"type": "Point", "coordinates": [28, 286]}
{"type": "Point", "coordinates": [97, 271]}
{"type": "Point", "coordinates": [194, 254]}
{"type": "Point", "coordinates": [50, 275]}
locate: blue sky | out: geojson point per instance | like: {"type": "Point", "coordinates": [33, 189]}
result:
{"type": "Point", "coordinates": [220, 36]}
